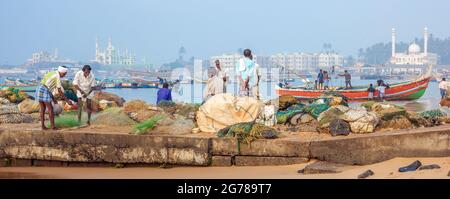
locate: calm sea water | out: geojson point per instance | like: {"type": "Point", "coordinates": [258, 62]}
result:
{"type": "Point", "coordinates": [193, 93]}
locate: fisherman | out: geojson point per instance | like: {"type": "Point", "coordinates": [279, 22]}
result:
{"type": "Point", "coordinates": [381, 90]}
{"type": "Point", "coordinates": [214, 85]}
{"type": "Point", "coordinates": [84, 83]}
{"type": "Point", "coordinates": [443, 87]}
{"type": "Point", "coordinates": [245, 71]}
{"type": "Point", "coordinates": [320, 79]}
{"type": "Point", "coordinates": [50, 85]}
{"type": "Point", "coordinates": [222, 74]}
{"type": "Point", "coordinates": [257, 75]}
{"type": "Point", "coordinates": [326, 78]}
{"type": "Point", "coordinates": [348, 79]}
{"type": "Point", "coordinates": [371, 91]}
{"type": "Point", "coordinates": [164, 93]}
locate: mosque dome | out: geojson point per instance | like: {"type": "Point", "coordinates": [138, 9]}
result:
{"type": "Point", "coordinates": [414, 48]}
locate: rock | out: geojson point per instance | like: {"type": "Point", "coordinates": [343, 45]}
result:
{"type": "Point", "coordinates": [339, 127]}
{"type": "Point", "coordinates": [431, 166]}
{"type": "Point", "coordinates": [366, 174]}
{"type": "Point", "coordinates": [412, 167]}
{"type": "Point", "coordinates": [28, 106]}
{"type": "Point", "coordinates": [320, 167]}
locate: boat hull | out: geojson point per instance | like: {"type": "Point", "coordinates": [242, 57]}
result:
{"type": "Point", "coordinates": [403, 91]}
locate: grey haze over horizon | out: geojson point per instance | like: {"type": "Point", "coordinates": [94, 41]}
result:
{"type": "Point", "coordinates": [157, 29]}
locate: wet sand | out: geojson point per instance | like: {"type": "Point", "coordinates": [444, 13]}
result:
{"type": "Point", "coordinates": [383, 170]}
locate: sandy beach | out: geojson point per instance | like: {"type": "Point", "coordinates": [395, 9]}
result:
{"type": "Point", "coordinates": [383, 170]}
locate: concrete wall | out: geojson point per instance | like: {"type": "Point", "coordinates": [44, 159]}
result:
{"type": "Point", "coordinates": [81, 148]}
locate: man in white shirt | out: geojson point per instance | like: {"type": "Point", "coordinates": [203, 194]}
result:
{"type": "Point", "coordinates": [381, 91]}
{"type": "Point", "coordinates": [84, 83]}
{"type": "Point", "coordinates": [257, 75]}
{"type": "Point", "coordinates": [443, 86]}
{"type": "Point", "coordinates": [222, 74]}
{"type": "Point", "coordinates": [214, 85]}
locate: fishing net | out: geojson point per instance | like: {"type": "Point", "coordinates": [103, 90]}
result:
{"type": "Point", "coordinates": [143, 127]}
{"type": "Point", "coordinates": [333, 98]}
{"type": "Point", "coordinates": [315, 109]}
{"type": "Point", "coordinates": [11, 115]}
{"type": "Point", "coordinates": [134, 106]}
{"type": "Point", "coordinates": [285, 101]}
{"type": "Point", "coordinates": [112, 117]}
{"type": "Point", "coordinates": [247, 132]}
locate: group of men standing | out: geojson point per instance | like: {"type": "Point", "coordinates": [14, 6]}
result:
{"type": "Point", "coordinates": [248, 74]}
{"type": "Point", "coordinates": [51, 85]}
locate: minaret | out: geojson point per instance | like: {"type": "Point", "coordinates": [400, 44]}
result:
{"type": "Point", "coordinates": [425, 41]}
{"type": "Point", "coordinates": [393, 42]}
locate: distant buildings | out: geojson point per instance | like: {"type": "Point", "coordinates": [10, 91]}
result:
{"type": "Point", "coordinates": [111, 56]}
{"type": "Point", "coordinates": [290, 60]}
{"type": "Point", "coordinates": [413, 56]}
{"type": "Point", "coordinates": [42, 56]}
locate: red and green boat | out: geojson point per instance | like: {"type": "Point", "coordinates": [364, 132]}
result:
{"type": "Point", "coordinates": [410, 90]}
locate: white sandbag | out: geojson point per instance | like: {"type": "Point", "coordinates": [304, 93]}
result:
{"type": "Point", "coordinates": [354, 114]}
{"type": "Point", "coordinates": [223, 110]}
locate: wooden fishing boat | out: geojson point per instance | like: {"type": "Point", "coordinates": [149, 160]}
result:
{"type": "Point", "coordinates": [409, 90]}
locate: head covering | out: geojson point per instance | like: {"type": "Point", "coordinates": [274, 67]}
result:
{"type": "Point", "coordinates": [62, 69]}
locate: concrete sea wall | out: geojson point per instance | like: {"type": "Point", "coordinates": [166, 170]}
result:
{"type": "Point", "coordinates": [37, 148]}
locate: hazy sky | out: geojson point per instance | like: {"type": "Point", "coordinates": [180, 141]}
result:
{"type": "Point", "coordinates": [156, 29]}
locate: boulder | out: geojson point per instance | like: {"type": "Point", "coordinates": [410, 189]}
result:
{"type": "Point", "coordinates": [28, 106]}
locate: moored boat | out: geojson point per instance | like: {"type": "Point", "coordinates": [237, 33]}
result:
{"type": "Point", "coordinates": [409, 90]}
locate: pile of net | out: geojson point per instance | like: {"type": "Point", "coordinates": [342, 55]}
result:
{"type": "Point", "coordinates": [112, 117]}
{"type": "Point", "coordinates": [333, 98]}
{"type": "Point", "coordinates": [139, 110]}
{"type": "Point", "coordinates": [9, 114]}
{"type": "Point", "coordinates": [434, 117]}
{"type": "Point", "coordinates": [224, 110]}
{"type": "Point", "coordinates": [247, 132]}
{"type": "Point", "coordinates": [28, 106]}
{"type": "Point", "coordinates": [13, 95]}
{"type": "Point", "coordinates": [105, 96]}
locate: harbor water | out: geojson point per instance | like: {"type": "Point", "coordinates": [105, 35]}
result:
{"type": "Point", "coordinates": [193, 93]}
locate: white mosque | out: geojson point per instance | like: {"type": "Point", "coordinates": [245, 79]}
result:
{"type": "Point", "coordinates": [414, 55]}
{"type": "Point", "coordinates": [111, 56]}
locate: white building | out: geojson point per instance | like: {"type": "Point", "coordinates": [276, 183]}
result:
{"type": "Point", "coordinates": [113, 56]}
{"type": "Point", "coordinates": [42, 56]}
{"type": "Point", "coordinates": [290, 60]}
{"type": "Point", "coordinates": [228, 60]}
{"type": "Point", "coordinates": [413, 56]}
{"type": "Point", "coordinates": [307, 60]}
